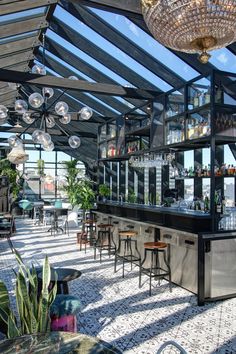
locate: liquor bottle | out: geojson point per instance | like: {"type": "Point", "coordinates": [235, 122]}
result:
{"type": "Point", "coordinates": [196, 100]}
{"type": "Point", "coordinates": [206, 204]}
{"type": "Point", "coordinates": [223, 205]}
{"type": "Point", "coordinates": [208, 96]}
{"type": "Point", "coordinates": [219, 98]}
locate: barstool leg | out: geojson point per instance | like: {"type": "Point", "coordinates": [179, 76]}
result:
{"type": "Point", "coordinates": [140, 267]}
{"type": "Point", "coordinates": [150, 282]}
{"type": "Point", "coordinates": [116, 255]}
{"type": "Point", "coordinates": [168, 267]}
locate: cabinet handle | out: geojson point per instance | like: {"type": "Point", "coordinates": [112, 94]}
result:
{"type": "Point", "coordinates": [167, 236]}
{"type": "Point", "coordinates": [188, 242]}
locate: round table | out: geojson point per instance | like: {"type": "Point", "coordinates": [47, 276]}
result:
{"type": "Point", "coordinates": [56, 342]}
{"type": "Point", "coordinates": [64, 275]}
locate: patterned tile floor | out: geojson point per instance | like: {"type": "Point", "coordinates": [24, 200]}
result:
{"type": "Point", "coordinates": [115, 309]}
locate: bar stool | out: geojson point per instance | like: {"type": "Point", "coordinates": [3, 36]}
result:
{"type": "Point", "coordinates": [88, 235]}
{"type": "Point", "coordinates": [155, 271]}
{"type": "Point", "coordinates": [131, 254]}
{"type": "Point", "coordinates": [104, 241]}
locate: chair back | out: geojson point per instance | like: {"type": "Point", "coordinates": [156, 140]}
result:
{"type": "Point", "coordinates": [58, 204]}
{"type": "Point", "coordinates": [26, 204]}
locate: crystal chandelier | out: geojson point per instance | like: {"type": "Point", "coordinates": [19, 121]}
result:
{"type": "Point", "coordinates": [191, 26]}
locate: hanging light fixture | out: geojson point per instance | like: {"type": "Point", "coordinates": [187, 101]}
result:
{"type": "Point", "coordinates": [191, 26]}
{"type": "Point", "coordinates": [39, 108]}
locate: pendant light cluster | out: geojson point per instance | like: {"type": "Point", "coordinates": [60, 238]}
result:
{"type": "Point", "coordinates": [40, 108]}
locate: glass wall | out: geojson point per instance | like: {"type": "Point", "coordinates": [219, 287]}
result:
{"type": "Point", "coordinates": [44, 174]}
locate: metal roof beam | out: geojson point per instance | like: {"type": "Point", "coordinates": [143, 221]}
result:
{"type": "Point", "coordinates": [18, 46]}
{"type": "Point", "coordinates": [57, 82]}
{"type": "Point", "coordinates": [18, 27]}
{"type": "Point", "coordinates": [24, 5]}
{"type": "Point", "coordinates": [16, 58]}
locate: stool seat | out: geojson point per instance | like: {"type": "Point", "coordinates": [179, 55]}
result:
{"type": "Point", "coordinates": [104, 225]}
{"type": "Point", "coordinates": [128, 233]}
{"type": "Point", "coordinates": [88, 222]}
{"type": "Point", "coordinates": [155, 245]}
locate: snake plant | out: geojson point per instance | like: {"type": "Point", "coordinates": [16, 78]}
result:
{"type": "Point", "coordinates": [33, 310]}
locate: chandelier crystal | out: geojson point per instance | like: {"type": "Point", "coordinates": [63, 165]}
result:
{"type": "Point", "coordinates": [191, 26]}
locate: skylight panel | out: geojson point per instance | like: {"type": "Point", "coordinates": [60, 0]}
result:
{"type": "Point", "coordinates": [223, 59]}
{"type": "Point", "coordinates": [112, 50]}
{"type": "Point", "coordinates": [147, 43]}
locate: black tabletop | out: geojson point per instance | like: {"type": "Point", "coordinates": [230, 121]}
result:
{"type": "Point", "coordinates": [63, 274]}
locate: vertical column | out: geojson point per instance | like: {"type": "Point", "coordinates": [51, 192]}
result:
{"type": "Point", "coordinates": [114, 180]}
{"type": "Point", "coordinates": [131, 198]}
{"type": "Point", "coordinates": [152, 185]}
{"type": "Point", "coordinates": [122, 178]}
{"type": "Point", "coordinates": [140, 174]}
{"type": "Point", "coordinates": [107, 172]}
{"type": "Point", "coordinates": [197, 192]}
{"type": "Point", "coordinates": [100, 172]}
{"type": "Point", "coordinates": [219, 157]}
{"type": "Point", "coordinates": [165, 180]}
{"type": "Point", "coordinates": [179, 184]}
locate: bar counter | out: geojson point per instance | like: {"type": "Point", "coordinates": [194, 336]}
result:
{"type": "Point", "coordinates": [177, 218]}
{"type": "Point", "coordinates": [201, 261]}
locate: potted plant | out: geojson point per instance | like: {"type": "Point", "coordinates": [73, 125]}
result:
{"type": "Point", "coordinates": [104, 191]}
{"type": "Point", "coordinates": [72, 181]}
{"type": "Point", "coordinates": [13, 175]}
{"type": "Point", "coordinates": [131, 196]}
{"type": "Point", "coordinates": [33, 310]}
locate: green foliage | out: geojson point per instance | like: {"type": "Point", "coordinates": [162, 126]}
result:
{"type": "Point", "coordinates": [6, 169]}
{"type": "Point", "coordinates": [86, 195]}
{"type": "Point", "coordinates": [131, 196]}
{"type": "Point", "coordinates": [40, 165]}
{"type": "Point", "coordinates": [72, 183]}
{"type": "Point", "coordinates": [104, 190]}
{"type": "Point", "coordinates": [34, 312]}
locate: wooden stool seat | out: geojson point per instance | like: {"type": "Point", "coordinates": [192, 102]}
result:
{"type": "Point", "coordinates": [128, 233]}
{"type": "Point", "coordinates": [90, 222]}
{"type": "Point", "coordinates": [155, 245]}
{"type": "Point", "coordinates": [104, 225]}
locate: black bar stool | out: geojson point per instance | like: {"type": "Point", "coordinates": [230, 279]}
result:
{"type": "Point", "coordinates": [88, 235]}
{"type": "Point", "coordinates": [104, 241]}
{"type": "Point", "coordinates": [131, 254]}
{"type": "Point", "coordinates": [155, 271]}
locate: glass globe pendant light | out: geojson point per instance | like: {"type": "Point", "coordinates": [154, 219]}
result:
{"type": "Point", "coordinates": [38, 69]}
{"type": "Point", "coordinates": [74, 141]}
{"type": "Point", "coordinates": [65, 119]}
{"type": "Point", "coordinates": [61, 108]}
{"type": "Point", "coordinates": [3, 112]}
{"type": "Point", "coordinates": [86, 113]}
{"type": "Point", "coordinates": [72, 77]}
{"type": "Point", "coordinates": [36, 100]}
{"type": "Point", "coordinates": [48, 147]}
{"type": "Point", "coordinates": [47, 92]}
{"type": "Point", "coordinates": [27, 118]}
{"type": "Point", "coordinates": [14, 141]}
{"type": "Point", "coordinates": [21, 106]}
{"type": "Point", "coordinates": [50, 122]}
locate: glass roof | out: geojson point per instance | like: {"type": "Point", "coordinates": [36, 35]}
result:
{"type": "Point", "coordinates": [111, 49]}
{"type": "Point", "coordinates": [223, 59]}
{"type": "Point", "coordinates": [88, 59]}
{"type": "Point", "coordinates": [147, 43]}
{"type": "Point", "coordinates": [18, 36]}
